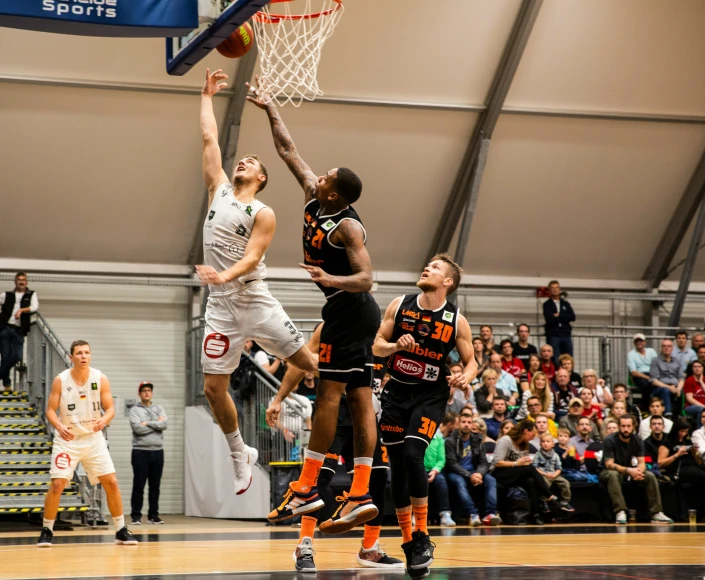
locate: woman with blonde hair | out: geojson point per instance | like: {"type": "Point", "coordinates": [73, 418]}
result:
{"type": "Point", "coordinates": [601, 394]}
{"type": "Point", "coordinates": [539, 388]}
{"type": "Point", "coordinates": [487, 392]}
{"type": "Point", "coordinates": [479, 426]}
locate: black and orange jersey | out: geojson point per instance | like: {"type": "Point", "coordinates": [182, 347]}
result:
{"type": "Point", "coordinates": [434, 332]}
{"type": "Point", "coordinates": [318, 248]}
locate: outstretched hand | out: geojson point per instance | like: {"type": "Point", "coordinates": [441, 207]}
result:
{"type": "Point", "coordinates": [210, 275]}
{"type": "Point", "coordinates": [261, 98]}
{"type": "Point", "coordinates": [213, 86]}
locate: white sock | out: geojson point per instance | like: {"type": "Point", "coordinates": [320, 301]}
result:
{"type": "Point", "coordinates": [235, 441]}
{"type": "Point", "coordinates": [315, 456]}
{"type": "Point", "coordinates": [48, 524]}
{"type": "Point", "coordinates": [119, 522]}
{"type": "Point", "coordinates": [363, 461]}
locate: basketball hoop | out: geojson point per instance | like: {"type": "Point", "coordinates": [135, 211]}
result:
{"type": "Point", "coordinates": [290, 47]}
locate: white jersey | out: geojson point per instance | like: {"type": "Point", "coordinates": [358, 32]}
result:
{"type": "Point", "coordinates": [79, 406]}
{"type": "Point", "coordinates": [226, 231]}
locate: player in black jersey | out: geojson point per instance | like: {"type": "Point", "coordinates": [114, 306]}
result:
{"type": "Point", "coordinates": [337, 261]}
{"type": "Point", "coordinates": [371, 555]}
{"type": "Point", "coordinates": [417, 334]}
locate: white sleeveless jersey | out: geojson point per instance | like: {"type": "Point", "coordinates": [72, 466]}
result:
{"type": "Point", "coordinates": [79, 406]}
{"type": "Point", "coordinates": [226, 231]}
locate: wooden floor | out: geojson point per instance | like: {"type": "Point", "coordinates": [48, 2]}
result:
{"type": "Point", "coordinates": [213, 549]}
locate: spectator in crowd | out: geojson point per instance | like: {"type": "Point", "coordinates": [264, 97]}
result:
{"type": "Point", "coordinates": [499, 415]}
{"type": "Point", "coordinates": [667, 377]}
{"type": "Point", "coordinates": [622, 394]}
{"type": "Point", "coordinates": [558, 314]}
{"type": "Point", "coordinates": [468, 468]}
{"type": "Point", "coordinates": [480, 427]}
{"type": "Point", "coordinates": [548, 464]}
{"type": "Point", "coordinates": [540, 389]}
{"type": "Point", "coordinates": [481, 357]}
{"type": "Point", "coordinates": [547, 366]}
{"type": "Point", "coordinates": [619, 409]}
{"type": "Point", "coordinates": [534, 406]}
{"type": "Point", "coordinates": [487, 336]}
{"type": "Point", "coordinates": [617, 464]}
{"type": "Point", "coordinates": [575, 412]}
{"type": "Point", "coordinates": [679, 457]}
{"type": "Point", "coordinates": [682, 352]}
{"type": "Point", "coordinates": [610, 426]}
{"type": "Point", "coordinates": [701, 357]}
{"type": "Point", "coordinates": [694, 390]}
{"type": "Point", "coordinates": [584, 438]}
{"type": "Point", "coordinates": [487, 392]}
{"type": "Point", "coordinates": [590, 410]}
{"type": "Point", "coordinates": [506, 426]}
{"type": "Point", "coordinates": [449, 424]}
{"type": "Point", "coordinates": [16, 309]}
{"type": "Point", "coordinates": [542, 427]}
{"type": "Point", "coordinates": [655, 440]}
{"type": "Point", "coordinates": [463, 394]}
{"type": "Point", "coordinates": [505, 381]}
{"type": "Point", "coordinates": [453, 405]}
{"type": "Point", "coordinates": [573, 467]}
{"type": "Point", "coordinates": [148, 422]}
{"type": "Point", "coordinates": [534, 367]}
{"type": "Point", "coordinates": [601, 395]}
{"type": "Point", "coordinates": [510, 363]}
{"type": "Point", "coordinates": [639, 365]}
{"type": "Point", "coordinates": [656, 409]}
{"type": "Point", "coordinates": [295, 416]}
{"type": "Point", "coordinates": [565, 361]}
{"type": "Point", "coordinates": [522, 349]}
{"type": "Point", "coordinates": [469, 410]}
{"type": "Point", "coordinates": [434, 461]}
{"type": "Point", "coordinates": [307, 387]}
{"type": "Point", "coordinates": [512, 465]}
{"type": "Point", "coordinates": [563, 392]}
{"type": "Point", "coordinates": [273, 365]}
{"type": "Point", "coordinates": [697, 341]}
{"type": "Point", "coordinates": [699, 435]}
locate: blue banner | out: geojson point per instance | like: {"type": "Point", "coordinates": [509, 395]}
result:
{"type": "Point", "coordinates": [102, 17]}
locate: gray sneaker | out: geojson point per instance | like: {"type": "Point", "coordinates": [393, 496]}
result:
{"type": "Point", "coordinates": [661, 518]}
{"type": "Point", "coordinates": [447, 520]}
{"type": "Point", "coordinates": [475, 520]}
{"type": "Point", "coordinates": [621, 517]}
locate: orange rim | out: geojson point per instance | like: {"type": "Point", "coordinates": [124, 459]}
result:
{"type": "Point", "coordinates": [277, 18]}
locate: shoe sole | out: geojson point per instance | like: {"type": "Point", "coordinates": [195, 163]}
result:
{"type": "Point", "coordinates": [306, 570]}
{"type": "Point", "coordinates": [128, 543]}
{"type": "Point", "coordinates": [244, 490]}
{"type": "Point", "coordinates": [346, 523]}
{"type": "Point", "coordinates": [44, 545]}
{"type": "Point", "coordinates": [156, 523]}
{"type": "Point", "coordinates": [660, 522]}
{"type": "Point", "coordinates": [448, 525]}
{"type": "Point", "coordinates": [419, 572]}
{"type": "Point", "coordinates": [300, 511]}
{"type": "Point", "coordinates": [369, 564]}
{"type": "Point", "coordinates": [495, 521]}
{"type": "Point", "coordinates": [422, 566]}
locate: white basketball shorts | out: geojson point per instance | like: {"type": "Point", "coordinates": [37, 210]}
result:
{"type": "Point", "coordinates": [248, 314]}
{"type": "Point", "coordinates": [89, 450]}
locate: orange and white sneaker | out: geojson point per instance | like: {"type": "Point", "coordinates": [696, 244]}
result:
{"type": "Point", "coordinates": [352, 511]}
{"type": "Point", "coordinates": [296, 504]}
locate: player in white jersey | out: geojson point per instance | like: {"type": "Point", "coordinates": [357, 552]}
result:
{"type": "Point", "coordinates": [81, 395]}
{"type": "Point", "coordinates": [237, 232]}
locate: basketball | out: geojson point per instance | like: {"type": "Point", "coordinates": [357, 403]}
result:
{"type": "Point", "coordinates": [238, 43]}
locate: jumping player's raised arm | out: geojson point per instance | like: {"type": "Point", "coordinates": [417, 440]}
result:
{"type": "Point", "coordinates": [283, 141]}
{"type": "Point", "coordinates": [463, 344]}
{"type": "Point", "coordinates": [382, 347]}
{"type": "Point", "coordinates": [213, 173]}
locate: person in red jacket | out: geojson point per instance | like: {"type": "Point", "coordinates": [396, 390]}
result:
{"type": "Point", "coordinates": [510, 363]}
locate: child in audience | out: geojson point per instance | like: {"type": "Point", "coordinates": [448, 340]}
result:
{"type": "Point", "coordinates": [572, 464]}
{"type": "Point", "coordinates": [548, 464]}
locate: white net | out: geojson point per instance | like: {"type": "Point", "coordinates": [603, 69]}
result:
{"type": "Point", "coordinates": [290, 47]}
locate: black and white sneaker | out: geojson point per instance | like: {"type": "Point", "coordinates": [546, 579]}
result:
{"type": "Point", "coordinates": [376, 557]}
{"type": "Point", "coordinates": [303, 556]}
{"type": "Point", "coordinates": [157, 521]}
{"type": "Point", "coordinates": [45, 538]}
{"type": "Point", "coordinates": [136, 522]}
{"type": "Point", "coordinates": [418, 574]}
{"type": "Point", "coordinates": [419, 551]}
{"type": "Point", "coordinates": [124, 537]}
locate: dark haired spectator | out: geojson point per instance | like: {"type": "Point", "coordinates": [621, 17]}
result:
{"type": "Point", "coordinates": [584, 437]}
{"type": "Point", "coordinates": [655, 440]}
{"type": "Point", "coordinates": [694, 390]}
{"type": "Point", "coordinates": [575, 412]}
{"type": "Point", "coordinates": [681, 352]}
{"type": "Point", "coordinates": [656, 409]}
{"type": "Point", "coordinates": [678, 456]}
{"type": "Point", "coordinates": [307, 387]}
{"type": "Point", "coordinates": [534, 406]}
{"type": "Point", "coordinates": [701, 357]}
{"type": "Point", "coordinates": [666, 376]}
{"type": "Point", "coordinates": [522, 349]}
{"type": "Point", "coordinates": [16, 309]}
{"type": "Point", "coordinates": [563, 393]}
{"type": "Point", "coordinates": [590, 410]}
{"type": "Point", "coordinates": [506, 426]}
{"type": "Point", "coordinates": [453, 405]}
{"type": "Point", "coordinates": [558, 314]}
{"type": "Point", "coordinates": [487, 336]}
{"type": "Point", "coordinates": [621, 393]}
{"type": "Point", "coordinates": [547, 365]}
{"type": "Point", "coordinates": [639, 365]}
{"type": "Point", "coordinates": [565, 361]}
{"type": "Point", "coordinates": [505, 381]}
{"type": "Point", "coordinates": [463, 394]}
{"type": "Point", "coordinates": [512, 465]}
{"type": "Point", "coordinates": [434, 462]}
{"type": "Point", "coordinates": [499, 415]}
{"type": "Point", "coordinates": [534, 366]}
{"type": "Point", "coordinates": [510, 363]}
{"type": "Point", "coordinates": [543, 425]}
{"type": "Point", "coordinates": [618, 455]}
{"type": "Point", "coordinates": [481, 357]}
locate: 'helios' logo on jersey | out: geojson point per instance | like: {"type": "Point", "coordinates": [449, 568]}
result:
{"type": "Point", "coordinates": [416, 369]}
{"type": "Point", "coordinates": [215, 345]}
{"type": "Point", "coordinates": [211, 214]}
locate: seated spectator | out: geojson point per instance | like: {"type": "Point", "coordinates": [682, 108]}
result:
{"type": "Point", "coordinates": [542, 427]}
{"type": "Point", "coordinates": [534, 406]}
{"type": "Point", "coordinates": [547, 366]}
{"type": "Point", "coordinates": [307, 387]}
{"type": "Point", "coordinates": [534, 366]}
{"type": "Point", "coordinates": [270, 364]}
{"type": "Point", "coordinates": [480, 427]}
{"type": "Point", "coordinates": [506, 426]}
{"type": "Point", "coordinates": [563, 393]}
{"type": "Point", "coordinates": [487, 336]}
{"type": "Point", "coordinates": [481, 358]}
{"type": "Point", "coordinates": [619, 409]}
{"type": "Point", "coordinates": [699, 435]}
{"type": "Point", "coordinates": [510, 363]}
{"type": "Point", "coordinates": [505, 381]}
{"type": "Point", "coordinates": [453, 405]}
{"type": "Point", "coordinates": [463, 394]}
{"type": "Point", "coordinates": [666, 377]}
{"type": "Point", "coordinates": [656, 408]}
{"type": "Point", "coordinates": [619, 452]}
{"type": "Point", "coordinates": [610, 426]}
{"type": "Point", "coordinates": [694, 390]}
{"type": "Point", "coordinates": [565, 361]}
{"type": "Point", "coordinates": [572, 464]}
{"type": "Point", "coordinates": [512, 466]}
{"type": "Point", "coordinates": [622, 394]}
{"type": "Point", "coordinates": [697, 341]}
{"type": "Point", "coordinates": [499, 415]}
{"type": "Point", "coordinates": [701, 357]}
{"type": "Point", "coordinates": [570, 421]}
{"type": "Point", "coordinates": [522, 349]}
{"type": "Point", "coordinates": [468, 410]}
{"type": "Point", "coordinates": [539, 388]}
{"type": "Point", "coordinates": [655, 440]}
{"type": "Point", "coordinates": [434, 461]}
{"type": "Point", "coordinates": [294, 418]}
{"type": "Point", "coordinates": [548, 464]}
{"type": "Point", "coordinates": [681, 352]}
{"type": "Point", "coordinates": [601, 395]}
{"type": "Point", "coordinates": [590, 410]}
{"type": "Point", "coordinates": [678, 456]}
{"type": "Point", "coordinates": [487, 392]}
{"type": "Point", "coordinates": [639, 365]}
{"type": "Point", "coordinates": [584, 438]}
{"type": "Point", "coordinates": [468, 468]}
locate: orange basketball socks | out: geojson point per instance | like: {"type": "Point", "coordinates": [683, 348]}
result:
{"type": "Point", "coordinates": [421, 516]}
{"type": "Point", "coordinates": [308, 526]}
{"type": "Point", "coordinates": [371, 536]}
{"type": "Point", "coordinates": [404, 518]}
{"type": "Point", "coordinates": [361, 476]}
{"type": "Point", "coordinates": [309, 474]}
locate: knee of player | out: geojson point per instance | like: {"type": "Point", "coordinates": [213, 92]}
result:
{"type": "Point", "coordinates": [109, 482]}
{"type": "Point", "coordinates": [58, 484]}
{"type": "Point", "coordinates": [414, 450]}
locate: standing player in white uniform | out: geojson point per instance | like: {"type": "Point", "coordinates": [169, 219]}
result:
{"type": "Point", "coordinates": [236, 234]}
{"type": "Point", "coordinates": [79, 394]}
